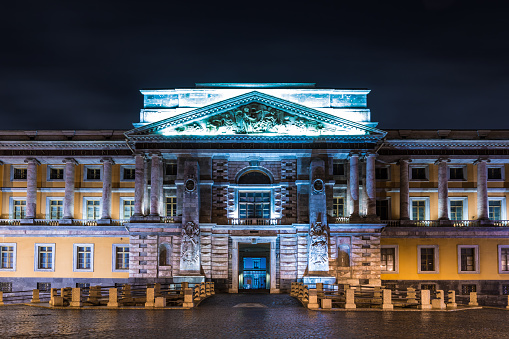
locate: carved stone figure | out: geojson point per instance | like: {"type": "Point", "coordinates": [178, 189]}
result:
{"type": "Point", "coordinates": [319, 247]}
{"type": "Point", "coordinates": [190, 245]}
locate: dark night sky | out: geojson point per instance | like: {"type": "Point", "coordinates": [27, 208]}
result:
{"type": "Point", "coordinates": [429, 63]}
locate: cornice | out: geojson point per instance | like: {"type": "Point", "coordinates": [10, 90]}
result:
{"type": "Point", "coordinates": [391, 144]}
{"type": "Point", "coordinates": [254, 138]}
{"type": "Point", "coordinates": [63, 144]}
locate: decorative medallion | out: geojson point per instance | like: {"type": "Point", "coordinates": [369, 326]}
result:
{"type": "Point", "coordinates": [190, 185]}
{"type": "Point", "coordinates": [318, 186]}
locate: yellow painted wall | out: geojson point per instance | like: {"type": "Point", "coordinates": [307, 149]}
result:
{"type": "Point", "coordinates": [448, 258]}
{"type": "Point", "coordinates": [103, 252]}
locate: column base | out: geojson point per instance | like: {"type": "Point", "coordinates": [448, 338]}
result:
{"type": "Point", "coordinates": [65, 221]}
{"type": "Point", "coordinates": [30, 221]}
{"type": "Point", "coordinates": [486, 222]}
{"type": "Point", "coordinates": [104, 222]}
{"type": "Point", "coordinates": [153, 218]}
{"type": "Point", "coordinates": [137, 218]}
{"type": "Point", "coordinates": [444, 222]}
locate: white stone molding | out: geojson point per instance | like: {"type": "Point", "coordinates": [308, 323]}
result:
{"type": "Point", "coordinates": [477, 262]}
{"type": "Point", "coordinates": [14, 257]}
{"type": "Point", "coordinates": [75, 258]}
{"type": "Point", "coordinates": [37, 246]}
{"type": "Point", "coordinates": [464, 201]}
{"type": "Point", "coordinates": [435, 259]}
{"type": "Point", "coordinates": [426, 207]}
{"type": "Point", "coordinates": [114, 258]}
{"type": "Point", "coordinates": [396, 259]}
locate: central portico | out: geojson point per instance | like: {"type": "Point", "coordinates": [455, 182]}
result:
{"type": "Point", "coordinates": [285, 167]}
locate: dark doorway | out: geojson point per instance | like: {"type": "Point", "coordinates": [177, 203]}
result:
{"type": "Point", "coordinates": [254, 262]}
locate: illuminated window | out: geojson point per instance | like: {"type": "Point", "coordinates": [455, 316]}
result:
{"type": "Point", "coordinates": [427, 259]}
{"type": "Point", "coordinates": [171, 206]}
{"type": "Point", "coordinates": [120, 257]}
{"type": "Point", "coordinates": [338, 207]}
{"type": "Point", "coordinates": [468, 259]}
{"type": "Point", "coordinates": [19, 209]}
{"type": "Point", "coordinates": [389, 259]}
{"type": "Point", "coordinates": [44, 257]}
{"type": "Point", "coordinates": [128, 208]}
{"type": "Point", "coordinates": [56, 209]}
{"type": "Point", "coordinates": [456, 209]}
{"type": "Point", "coordinates": [497, 208]}
{"type": "Point", "coordinates": [418, 209]}
{"type": "Point", "coordinates": [83, 257]}
{"type": "Point", "coordinates": [19, 173]}
{"type": "Point", "coordinates": [93, 209]}
{"type": "Point", "coordinates": [503, 255]}
{"type": "Point", "coordinates": [254, 205]}
{"type": "Point", "coordinates": [7, 257]}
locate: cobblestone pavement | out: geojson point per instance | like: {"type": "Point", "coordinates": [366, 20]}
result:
{"type": "Point", "coordinates": [250, 316]}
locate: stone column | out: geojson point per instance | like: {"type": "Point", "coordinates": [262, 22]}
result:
{"type": "Point", "coordinates": [404, 191]}
{"type": "Point", "coordinates": [139, 185]}
{"type": "Point", "coordinates": [146, 196]}
{"type": "Point", "coordinates": [443, 191]}
{"type": "Point", "coordinates": [235, 267]}
{"type": "Point", "coordinates": [69, 187]}
{"type": "Point", "coordinates": [154, 185]}
{"type": "Point", "coordinates": [371, 185]}
{"type": "Point", "coordinates": [354, 185]}
{"type": "Point", "coordinates": [106, 197]}
{"type": "Point", "coordinates": [273, 288]}
{"type": "Point", "coordinates": [31, 202]}
{"type": "Point", "coordinates": [482, 190]}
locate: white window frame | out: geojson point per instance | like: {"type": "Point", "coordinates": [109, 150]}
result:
{"type": "Point", "coordinates": [463, 167]}
{"type": "Point", "coordinates": [426, 207]}
{"type": "Point", "coordinates": [500, 271]}
{"type": "Point", "coordinates": [114, 258]}
{"type": "Point", "coordinates": [426, 167]}
{"type": "Point", "coordinates": [122, 167]}
{"type": "Point", "coordinates": [14, 255]}
{"type": "Point", "coordinates": [75, 258]}
{"type": "Point", "coordinates": [503, 212]}
{"type": "Point", "coordinates": [85, 170]}
{"type": "Point", "coordinates": [465, 206]}
{"type": "Point", "coordinates": [502, 172]}
{"type": "Point", "coordinates": [121, 207]}
{"type": "Point", "coordinates": [388, 167]}
{"type": "Point", "coordinates": [437, 263]}
{"type": "Point", "coordinates": [48, 171]}
{"type": "Point", "coordinates": [84, 207]}
{"type": "Point", "coordinates": [11, 205]}
{"type": "Point", "coordinates": [12, 173]}
{"type": "Point", "coordinates": [36, 257]}
{"type": "Point", "coordinates": [476, 257]}
{"type": "Point", "coordinates": [396, 258]}
{"type": "Point", "coordinates": [48, 206]}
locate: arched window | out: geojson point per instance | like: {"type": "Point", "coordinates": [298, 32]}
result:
{"type": "Point", "coordinates": [254, 178]}
{"type": "Point", "coordinates": [165, 251]}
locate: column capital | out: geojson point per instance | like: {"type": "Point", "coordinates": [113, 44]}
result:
{"type": "Point", "coordinates": [353, 154]}
{"type": "Point", "coordinates": [440, 160]}
{"type": "Point", "coordinates": [155, 154]}
{"type": "Point", "coordinates": [33, 161]}
{"type": "Point", "coordinates": [140, 154]}
{"type": "Point", "coordinates": [105, 160]}
{"type": "Point", "coordinates": [481, 159]}
{"type": "Point", "coordinates": [403, 159]}
{"type": "Point", "coordinates": [70, 160]}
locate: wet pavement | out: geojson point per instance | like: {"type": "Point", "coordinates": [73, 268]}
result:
{"type": "Point", "coordinates": [250, 316]}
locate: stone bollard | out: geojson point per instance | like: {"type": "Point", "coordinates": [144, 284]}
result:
{"type": "Point", "coordinates": [377, 295]}
{"type": "Point", "coordinates": [300, 292]}
{"type": "Point", "coordinates": [76, 297]}
{"type": "Point", "coordinates": [313, 299]}
{"type": "Point", "coordinates": [53, 292]}
{"type": "Point", "coordinates": [203, 294]}
{"type": "Point", "coordinates": [196, 293]}
{"type": "Point", "coordinates": [93, 294]}
{"type": "Point", "coordinates": [507, 302]}
{"type": "Point", "coordinates": [183, 286]}
{"type": "Point", "coordinates": [58, 301]}
{"type": "Point", "coordinates": [150, 297]}
{"type": "Point", "coordinates": [326, 304]}
{"type": "Point", "coordinates": [188, 298]}
{"type": "Point", "coordinates": [387, 300]}
{"type": "Point", "coordinates": [294, 291]}
{"type": "Point", "coordinates": [451, 299]}
{"type": "Point", "coordinates": [113, 297]}
{"type": "Point", "coordinates": [411, 296]}
{"type": "Point", "coordinates": [305, 294]}
{"type": "Point", "coordinates": [160, 302]}
{"type": "Point", "coordinates": [35, 297]}
{"type": "Point", "coordinates": [212, 288]}
{"type": "Point", "coordinates": [66, 293]}
{"type": "Point", "coordinates": [350, 299]}
{"type": "Point", "coordinates": [1, 298]}
{"type": "Point", "coordinates": [319, 290]}
{"type": "Point", "coordinates": [473, 299]}
{"type": "Point", "coordinates": [425, 300]}
{"type": "Point", "coordinates": [126, 293]}
{"type": "Point", "coordinates": [439, 303]}
{"type": "Point", "coordinates": [207, 289]}
{"type": "Point", "coordinates": [157, 290]}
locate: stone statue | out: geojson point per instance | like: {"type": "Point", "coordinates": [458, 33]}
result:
{"type": "Point", "coordinates": [319, 247]}
{"type": "Point", "coordinates": [190, 244]}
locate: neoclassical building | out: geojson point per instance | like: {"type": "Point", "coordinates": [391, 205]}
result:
{"type": "Point", "coordinates": [255, 186]}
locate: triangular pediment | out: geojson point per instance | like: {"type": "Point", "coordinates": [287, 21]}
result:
{"type": "Point", "coordinates": [255, 113]}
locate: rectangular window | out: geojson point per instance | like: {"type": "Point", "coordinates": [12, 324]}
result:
{"type": "Point", "coordinates": [44, 286]}
{"type": "Point", "coordinates": [382, 209]}
{"type": "Point", "coordinates": [418, 209]}
{"type": "Point", "coordinates": [457, 173]}
{"type": "Point", "coordinates": [19, 209]}
{"type": "Point", "coordinates": [495, 173]}
{"type": "Point", "coordinates": [456, 209]}
{"type": "Point", "coordinates": [495, 209]}
{"type": "Point", "coordinates": [382, 173]}
{"type": "Point", "coordinates": [171, 206]}
{"type": "Point", "coordinates": [427, 259]}
{"type": "Point", "coordinates": [170, 169]}
{"type": "Point", "coordinates": [83, 285]}
{"type": "Point", "coordinates": [19, 173]}
{"type": "Point", "coordinates": [93, 209]}
{"type": "Point", "coordinates": [389, 258]}
{"type": "Point", "coordinates": [338, 207]}
{"type": "Point", "coordinates": [468, 259]}
{"type": "Point", "coordinates": [419, 173]}
{"type": "Point", "coordinates": [466, 289]}
{"type": "Point", "coordinates": [254, 205]}
{"type": "Point", "coordinates": [128, 173]}
{"type": "Point", "coordinates": [505, 289]}
{"type": "Point", "coordinates": [338, 169]}
{"type": "Point", "coordinates": [56, 173]}
{"type": "Point", "coordinates": [430, 287]}
{"type": "Point", "coordinates": [128, 208]}
{"type": "Point", "coordinates": [56, 209]}
{"type": "Point", "coordinates": [7, 257]}
{"type": "Point", "coordinates": [44, 257]}
{"type": "Point", "coordinates": [83, 257]}
{"type": "Point", "coordinates": [120, 257]}
{"type": "Point", "coordinates": [503, 257]}
{"type": "Point", "coordinates": [5, 287]}
{"type": "Point", "coordinates": [93, 173]}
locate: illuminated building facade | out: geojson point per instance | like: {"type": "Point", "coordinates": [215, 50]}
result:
{"type": "Point", "coordinates": [254, 186]}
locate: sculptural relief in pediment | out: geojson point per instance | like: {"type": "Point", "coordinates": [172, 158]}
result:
{"type": "Point", "coordinates": [256, 118]}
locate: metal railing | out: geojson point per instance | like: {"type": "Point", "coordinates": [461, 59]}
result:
{"type": "Point", "coordinates": [254, 221]}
